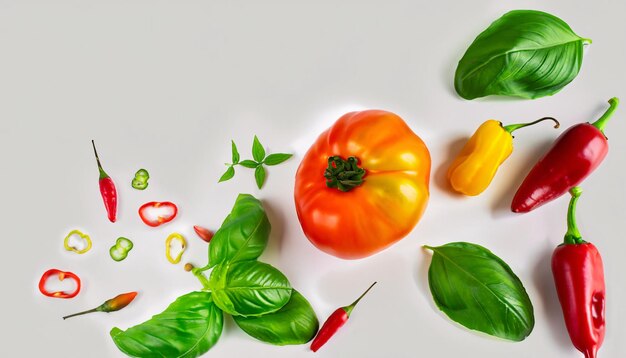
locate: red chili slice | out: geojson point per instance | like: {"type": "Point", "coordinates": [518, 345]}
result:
{"type": "Point", "coordinates": [147, 213]}
{"type": "Point", "coordinates": [62, 275]}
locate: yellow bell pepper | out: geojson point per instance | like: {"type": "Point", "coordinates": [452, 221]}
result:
{"type": "Point", "coordinates": [473, 169]}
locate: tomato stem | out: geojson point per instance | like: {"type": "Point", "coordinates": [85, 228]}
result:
{"type": "Point", "coordinates": [344, 175]}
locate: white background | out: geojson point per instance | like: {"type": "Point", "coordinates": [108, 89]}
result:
{"type": "Point", "coordinates": [165, 85]}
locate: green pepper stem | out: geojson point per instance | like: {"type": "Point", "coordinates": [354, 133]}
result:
{"type": "Point", "coordinates": [513, 127]}
{"type": "Point", "coordinates": [344, 175]}
{"type": "Point", "coordinates": [97, 309]}
{"type": "Point", "coordinates": [350, 307]}
{"type": "Point", "coordinates": [573, 236]}
{"type": "Point", "coordinates": [601, 122]}
{"type": "Point", "coordinates": [103, 174]}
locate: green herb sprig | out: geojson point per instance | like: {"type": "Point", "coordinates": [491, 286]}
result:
{"type": "Point", "coordinates": [259, 159]}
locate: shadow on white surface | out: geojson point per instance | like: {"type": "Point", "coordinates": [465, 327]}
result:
{"type": "Point", "coordinates": [544, 285]}
{"type": "Point", "coordinates": [441, 173]}
{"type": "Point", "coordinates": [501, 205]}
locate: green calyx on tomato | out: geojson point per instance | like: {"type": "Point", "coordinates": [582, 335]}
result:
{"type": "Point", "coordinates": [344, 175]}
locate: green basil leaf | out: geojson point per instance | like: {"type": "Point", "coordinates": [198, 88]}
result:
{"type": "Point", "coordinates": [243, 234]}
{"type": "Point", "coordinates": [258, 152]}
{"type": "Point", "coordinates": [525, 53]}
{"type": "Point", "coordinates": [249, 164]}
{"type": "Point", "coordinates": [229, 174]}
{"type": "Point", "coordinates": [189, 327]}
{"type": "Point", "coordinates": [235, 155]}
{"type": "Point", "coordinates": [259, 176]}
{"type": "Point", "coordinates": [249, 288]}
{"type": "Point", "coordinates": [477, 289]}
{"type": "Point", "coordinates": [277, 158]}
{"type": "Point", "coordinates": [295, 323]}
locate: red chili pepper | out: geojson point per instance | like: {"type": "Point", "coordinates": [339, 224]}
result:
{"type": "Point", "coordinates": [114, 304]}
{"type": "Point", "coordinates": [107, 189]}
{"type": "Point", "coordinates": [335, 321]}
{"type": "Point", "coordinates": [62, 275]}
{"type": "Point", "coordinates": [148, 216]}
{"type": "Point", "coordinates": [574, 155]}
{"type": "Point", "coordinates": [204, 233]}
{"type": "Point", "coordinates": [579, 278]}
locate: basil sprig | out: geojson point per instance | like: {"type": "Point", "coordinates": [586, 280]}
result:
{"type": "Point", "coordinates": [478, 290]}
{"type": "Point", "coordinates": [257, 295]}
{"type": "Point", "coordinates": [260, 159]}
{"type": "Point", "coordinates": [525, 53]}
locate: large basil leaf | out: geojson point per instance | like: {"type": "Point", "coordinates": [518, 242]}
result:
{"type": "Point", "coordinates": [524, 53]}
{"type": "Point", "coordinates": [243, 234]}
{"type": "Point", "coordinates": [189, 327]}
{"type": "Point", "coordinates": [295, 323]}
{"type": "Point", "coordinates": [477, 289]}
{"type": "Point", "coordinates": [249, 288]}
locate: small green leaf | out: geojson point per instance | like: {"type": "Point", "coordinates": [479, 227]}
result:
{"type": "Point", "coordinates": [229, 174]}
{"type": "Point", "coordinates": [258, 152]}
{"type": "Point", "coordinates": [277, 158]}
{"type": "Point", "coordinates": [295, 323]}
{"type": "Point", "coordinates": [244, 233]}
{"type": "Point", "coordinates": [259, 175]}
{"type": "Point", "coordinates": [249, 288]}
{"type": "Point", "coordinates": [235, 153]}
{"type": "Point", "coordinates": [249, 163]}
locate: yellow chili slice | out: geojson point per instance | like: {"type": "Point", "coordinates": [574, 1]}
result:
{"type": "Point", "coordinates": [168, 247]}
{"type": "Point", "coordinates": [66, 242]}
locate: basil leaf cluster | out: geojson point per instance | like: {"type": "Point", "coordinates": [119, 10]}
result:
{"type": "Point", "coordinates": [257, 295]}
{"type": "Point", "coordinates": [478, 290]}
{"type": "Point", "coordinates": [525, 53]}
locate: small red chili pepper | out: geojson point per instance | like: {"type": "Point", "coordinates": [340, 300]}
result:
{"type": "Point", "coordinates": [114, 304]}
{"type": "Point", "coordinates": [335, 321]}
{"type": "Point", "coordinates": [148, 213]}
{"type": "Point", "coordinates": [107, 189]}
{"type": "Point", "coordinates": [62, 275]}
{"type": "Point", "coordinates": [204, 233]}
{"type": "Point", "coordinates": [579, 278]}
{"type": "Point", "coordinates": [575, 154]}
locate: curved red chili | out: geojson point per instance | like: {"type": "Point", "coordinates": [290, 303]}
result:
{"type": "Point", "coordinates": [335, 321]}
{"type": "Point", "coordinates": [147, 209]}
{"type": "Point", "coordinates": [62, 275]}
{"type": "Point", "coordinates": [107, 189]}
{"type": "Point", "coordinates": [579, 278]}
{"type": "Point", "coordinates": [575, 154]}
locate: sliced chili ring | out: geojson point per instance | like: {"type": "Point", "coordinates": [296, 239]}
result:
{"type": "Point", "coordinates": [62, 275]}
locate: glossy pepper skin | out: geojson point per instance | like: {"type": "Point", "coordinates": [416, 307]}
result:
{"type": "Point", "coordinates": [579, 278]}
{"type": "Point", "coordinates": [335, 321]}
{"type": "Point", "coordinates": [353, 212]}
{"type": "Point", "coordinates": [575, 154]}
{"type": "Point", "coordinates": [473, 169]}
{"type": "Point", "coordinates": [107, 189]}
